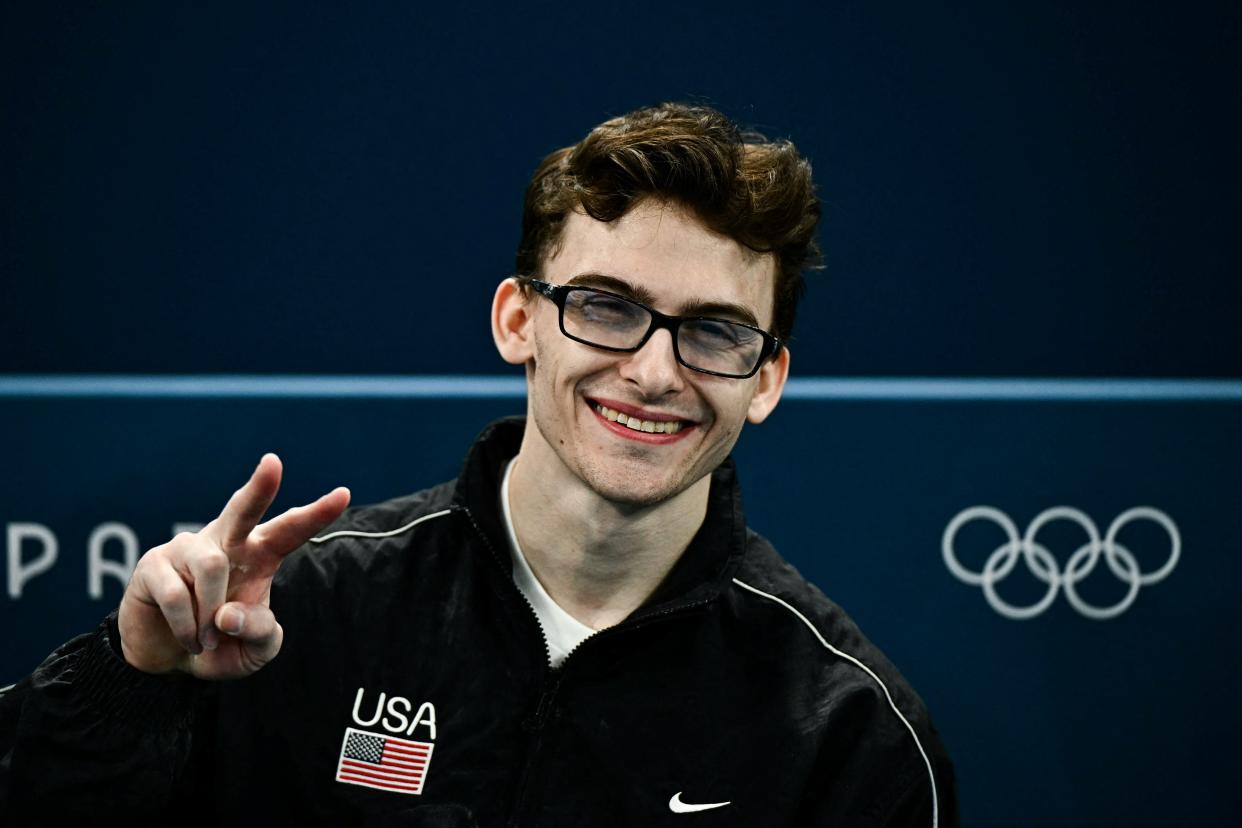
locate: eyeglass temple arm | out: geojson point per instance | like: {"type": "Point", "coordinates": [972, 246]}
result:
{"type": "Point", "coordinates": [541, 287]}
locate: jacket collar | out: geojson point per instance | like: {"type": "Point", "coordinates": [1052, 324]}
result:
{"type": "Point", "coordinates": [700, 573]}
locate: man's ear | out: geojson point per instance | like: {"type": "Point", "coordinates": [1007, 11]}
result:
{"type": "Point", "coordinates": [512, 325]}
{"type": "Point", "coordinates": [772, 378]}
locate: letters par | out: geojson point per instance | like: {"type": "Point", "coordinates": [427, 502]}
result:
{"type": "Point", "coordinates": [31, 549]}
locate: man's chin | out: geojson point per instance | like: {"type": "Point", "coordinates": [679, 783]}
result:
{"type": "Point", "coordinates": [630, 501]}
{"type": "Point", "coordinates": [634, 493]}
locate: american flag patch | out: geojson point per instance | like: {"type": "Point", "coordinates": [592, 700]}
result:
{"type": "Point", "coordinates": [383, 762]}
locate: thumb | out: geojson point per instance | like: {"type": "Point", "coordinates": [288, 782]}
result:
{"type": "Point", "coordinates": [255, 628]}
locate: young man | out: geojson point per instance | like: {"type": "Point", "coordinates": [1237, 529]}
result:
{"type": "Point", "coordinates": [580, 630]}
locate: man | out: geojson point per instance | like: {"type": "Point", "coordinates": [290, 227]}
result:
{"type": "Point", "coordinates": [580, 630]}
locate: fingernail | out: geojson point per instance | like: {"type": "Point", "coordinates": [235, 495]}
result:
{"type": "Point", "coordinates": [232, 621]}
{"type": "Point", "coordinates": [210, 638]}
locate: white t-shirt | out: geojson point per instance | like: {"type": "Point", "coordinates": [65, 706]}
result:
{"type": "Point", "coordinates": [562, 630]}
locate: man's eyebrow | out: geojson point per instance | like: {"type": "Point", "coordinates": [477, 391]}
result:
{"type": "Point", "coordinates": [613, 285]}
{"type": "Point", "coordinates": [720, 310]}
{"type": "Point", "coordinates": [695, 307]}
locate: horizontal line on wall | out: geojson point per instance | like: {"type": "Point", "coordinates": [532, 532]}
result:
{"type": "Point", "coordinates": [264, 386]}
{"type": "Point", "coordinates": [466, 386]}
{"type": "Point", "coordinates": [886, 388]}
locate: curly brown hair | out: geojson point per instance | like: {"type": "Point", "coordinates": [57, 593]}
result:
{"type": "Point", "coordinates": [739, 184]}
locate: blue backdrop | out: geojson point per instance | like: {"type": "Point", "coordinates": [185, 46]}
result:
{"type": "Point", "coordinates": [1011, 193]}
{"type": "Point", "coordinates": [1038, 189]}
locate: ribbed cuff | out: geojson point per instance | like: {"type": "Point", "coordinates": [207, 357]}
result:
{"type": "Point", "coordinates": [117, 690]}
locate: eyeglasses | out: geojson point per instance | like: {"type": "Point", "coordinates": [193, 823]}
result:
{"type": "Point", "coordinates": [710, 346]}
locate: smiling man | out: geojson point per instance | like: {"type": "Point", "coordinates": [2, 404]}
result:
{"type": "Point", "coordinates": [580, 630]}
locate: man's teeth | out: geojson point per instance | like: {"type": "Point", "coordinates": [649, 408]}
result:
{"type": "Point", "coordinates": [649, 426]}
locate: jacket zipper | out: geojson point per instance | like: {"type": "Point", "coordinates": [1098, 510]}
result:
{"type": "Point", "coordinates": [633, 624]}
{"type": "Point", "coordinates": [530, 609]}
{"type": "Point", "coordinates": [535, 726]}
{"type": "Point", "coordinates": [554, 677]}
{"type": "Point", "coordinates": [544, 711]}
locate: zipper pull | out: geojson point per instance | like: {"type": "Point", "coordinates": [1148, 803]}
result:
{"type": "Point", "coordinates": [546, 709]}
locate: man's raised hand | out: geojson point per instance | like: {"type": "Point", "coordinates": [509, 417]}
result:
{"type": "Point", "coordinates": [200, 603]}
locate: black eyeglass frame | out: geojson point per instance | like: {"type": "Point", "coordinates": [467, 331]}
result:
{"type": "Point", "coordinates": [557, 293]}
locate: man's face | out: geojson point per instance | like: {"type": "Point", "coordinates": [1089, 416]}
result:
{"type": "Point", "coordinates": [660, 255]}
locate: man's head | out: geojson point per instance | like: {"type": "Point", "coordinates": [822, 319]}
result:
{"type": "Point", "coordinates": [757, 192]}
{"type": "Point", "coordinates": [667, 210]}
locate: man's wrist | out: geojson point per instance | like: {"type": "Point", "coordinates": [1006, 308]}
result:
{"type": "Point", "coordinates": [118, 690]}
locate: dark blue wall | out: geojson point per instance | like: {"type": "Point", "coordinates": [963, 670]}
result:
{"type": "Point", "coordinates": [1048, 190]}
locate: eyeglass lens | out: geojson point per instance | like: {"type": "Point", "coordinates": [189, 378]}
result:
{"type": "Point", "coordinates": [709, 344]}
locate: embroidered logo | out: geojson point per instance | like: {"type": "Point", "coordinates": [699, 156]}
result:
{"type": "Point", "coordinates": [678, 807]}
{"type": "Point", "coordinates": [382, 760]}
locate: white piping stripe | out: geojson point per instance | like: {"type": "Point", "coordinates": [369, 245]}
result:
{"type": "Point", "coordinates": [349, 533]}
{"type": "Point", "coordinates": [4, 690]}
{"type": "Point", "coordinates": [868, 671]}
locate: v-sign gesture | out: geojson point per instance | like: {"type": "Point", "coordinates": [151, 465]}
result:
{"type": "Point", "coordinates": [200, 603]}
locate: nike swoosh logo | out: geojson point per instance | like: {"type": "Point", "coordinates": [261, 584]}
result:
{"type": "Point", "coordinates": [678, 807]}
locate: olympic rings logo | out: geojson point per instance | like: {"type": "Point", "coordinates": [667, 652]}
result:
{"type": "Point", "coordinates": [1044, 567]}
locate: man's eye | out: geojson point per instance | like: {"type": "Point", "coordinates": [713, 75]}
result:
{"type": "Point", "coordinates": [719, 334]}
{"type": "Point", "coordinates": [606, 308]}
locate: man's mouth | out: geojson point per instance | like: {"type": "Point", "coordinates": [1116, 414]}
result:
{"type": "Point", "coordinates": [635, 422]}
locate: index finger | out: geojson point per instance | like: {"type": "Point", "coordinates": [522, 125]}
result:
{"type": "Point", "coordinates": [281, 535]}
{"type": "Point", "coordinates": [248, 504]}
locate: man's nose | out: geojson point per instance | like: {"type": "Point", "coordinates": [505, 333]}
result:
{"type": "Point", "coordinates": [654, 367]}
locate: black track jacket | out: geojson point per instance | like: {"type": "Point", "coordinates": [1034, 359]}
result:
{"type": "Point", "coordinates": [413, 689]}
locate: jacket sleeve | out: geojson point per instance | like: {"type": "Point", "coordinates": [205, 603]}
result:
{"type": "Point", "coordinates": [87, 731]}
{"type": "Point", "coordinates": [894, 797]}
{"type": "Point", "coordinates": [910, 802]}
{"type": "Point", "coordinates": [883, 783]}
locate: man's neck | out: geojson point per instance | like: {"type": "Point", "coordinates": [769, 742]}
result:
{"type": "Point", "coordinates": [598, 560]}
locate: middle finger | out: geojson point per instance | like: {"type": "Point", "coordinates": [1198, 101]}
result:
{"type": "Point", "coordinates": [209, 570]}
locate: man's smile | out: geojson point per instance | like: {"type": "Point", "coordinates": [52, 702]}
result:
{"type": "Point", "coordinates": [640, 424]}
